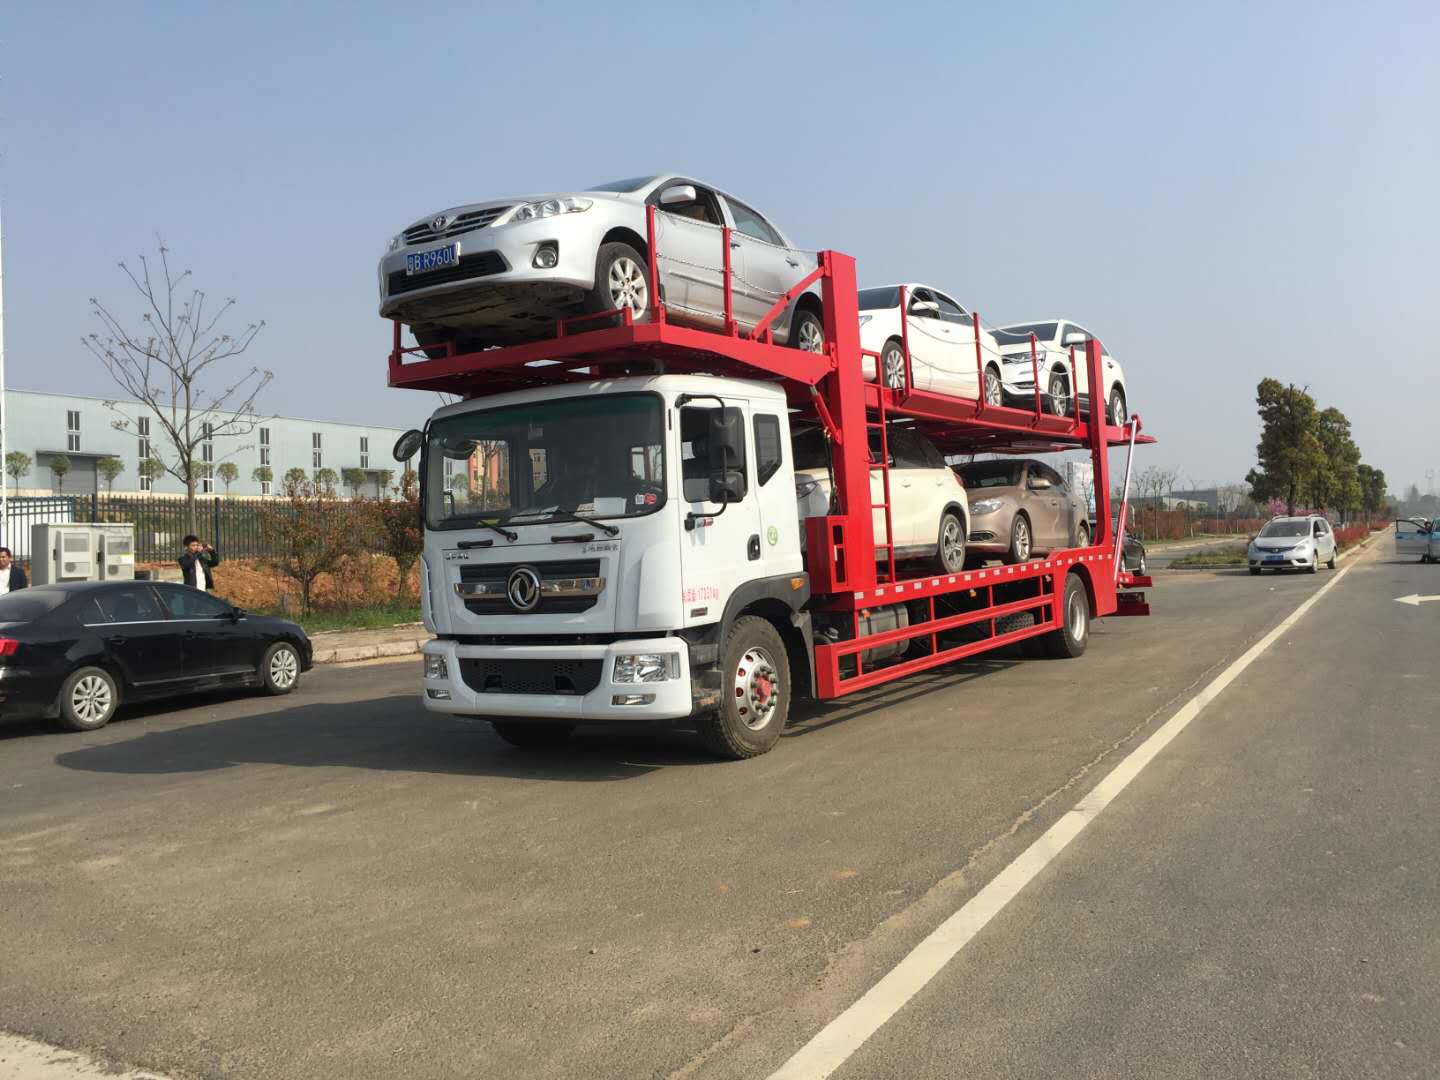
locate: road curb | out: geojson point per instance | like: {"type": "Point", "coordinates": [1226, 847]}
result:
{"type": "Point", "coordinates": [1340, 557]}
{"type": "Point", "coordinates": [343, 654]}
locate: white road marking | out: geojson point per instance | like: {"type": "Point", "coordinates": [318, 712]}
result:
{"type": "Point", "coordinates": [26, 1059]}
{"type": "Point", "coordinates": [1415, 599]}
{"type": "Point", "coordinates": [833, 1045]}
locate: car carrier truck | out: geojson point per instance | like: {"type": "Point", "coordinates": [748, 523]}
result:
{"type": "Point", "coordinates": [611, 532]}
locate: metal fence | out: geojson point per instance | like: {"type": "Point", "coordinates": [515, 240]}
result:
{"type": "Point", "coordinates": [235, 526]}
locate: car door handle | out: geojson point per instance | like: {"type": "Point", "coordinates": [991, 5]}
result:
{"type": "Point", "coordinates": [734, 243]}
{"type": "Point", "coordinates": [794, 262]}
{"type": "Point", "coordinates": [904, 483]}
{"type": "Point", "coordinates": [117, 640]}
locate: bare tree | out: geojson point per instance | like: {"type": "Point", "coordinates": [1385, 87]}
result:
{"type": "Point", "coordinates": [165, 366]}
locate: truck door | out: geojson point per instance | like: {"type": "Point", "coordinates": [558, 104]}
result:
{"type": "Point", "coordinates": [775, 491]}
{"type": "Point", "coordinates": [720, 543]}
{"type": "Point", "coordinates": [1412, 537]}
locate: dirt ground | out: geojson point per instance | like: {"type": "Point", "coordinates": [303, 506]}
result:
{"type": "Point", "coordinates": [367, 581]}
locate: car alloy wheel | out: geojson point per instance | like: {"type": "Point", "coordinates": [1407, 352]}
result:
{"type": "Point", "coordinates": [627, 286]}
{"type": "Point", "coordinates": [284, 668]}
{"type": "Point", "coordinates": [812, 337]}
{"type": "Point", "coordinates": [757, 687]}
{"type": "Point", "coordinates": [1059, 395]}
{"type": "Point", "coordinates": [993, 390]}
{"type": "Point", "coordinates": [1020, 540]}
{"type": "Point", "coordinates": [91, 699]}
{"type": "Point", "coordinates": [1118, 416]}
{"type": "Point", "coordinates": [893, 361]}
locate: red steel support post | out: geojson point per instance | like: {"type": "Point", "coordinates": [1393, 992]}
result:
{"type": "Point", "coordinates": [904, 343]}
{"type": "Point", "coordinates": [843, 391]}
{"type": "Point", "coordinates": [979, 365]}
{"type": "Point", "coordinates": [1035, 372]}
{"type": "Point", "coordinates": [654, 259]}
{"type": "Point", "coordinates": [1099, 449]}
{"type": "Point", "coordinates": [729, 281]}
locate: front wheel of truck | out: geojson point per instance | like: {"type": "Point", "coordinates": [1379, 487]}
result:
{"type": "Point", "coordinates": [533, 736]}
{"type": "Point", "coordinates": [754, 692]}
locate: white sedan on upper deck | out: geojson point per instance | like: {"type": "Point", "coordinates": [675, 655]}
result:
{"type": "Point", "coordinates": [941, 337]}
{"type": "Point", "coordinates": [1054, 340]}
{"type": "Point", "coordinates": [502, 272]}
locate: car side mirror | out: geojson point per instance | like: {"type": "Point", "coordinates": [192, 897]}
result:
{"type": "Point", "coordinates": [927, 308]}
{"type": "Point", "coordinates": [1074, 337]}
{"type": "Point", "coordinates": [1039, 483]}
{"type": "Point", "coordinates": [679, 195]}
{"type": "Point", "coordinates": [237, 613]}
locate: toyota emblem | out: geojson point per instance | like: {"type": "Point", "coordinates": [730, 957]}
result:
{"type": "Point", "coordinates": [438, 222]}
{"type": "Point", "coordinates": [523, 588]}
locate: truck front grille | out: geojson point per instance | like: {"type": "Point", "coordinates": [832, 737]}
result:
{"type": "Point", "coordinates": [532, 676]}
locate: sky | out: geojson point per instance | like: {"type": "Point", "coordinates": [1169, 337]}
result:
{"type": "Point", "coordinates": [1222, 192]}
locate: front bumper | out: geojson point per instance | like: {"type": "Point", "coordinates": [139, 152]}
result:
{"type": "Point", "coordinates": [671, 699]}
{"type": "Point", "coordinates": [1280, 560]}
{"type": "Point", "coordinates": [496, 283]}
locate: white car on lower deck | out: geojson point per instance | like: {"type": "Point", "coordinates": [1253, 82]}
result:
{"type": "Point", "coordinates": [941, 338]}
{"type": "Point", "coordinates": [1055, 338]}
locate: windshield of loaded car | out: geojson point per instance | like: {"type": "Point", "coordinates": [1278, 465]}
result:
{"type": "Point", "coordinates": [985, 474]}
{"type": "Point", "coordinates": [870, 299]}
{"type": "Point", "coordinates": [635, 183]}
{"type": "Point", "coordinates": [1017, 335]}
{"type": "Point", "coordinates": [1286, 528]}
{"type": "Point", "coordinates": [595, 456]}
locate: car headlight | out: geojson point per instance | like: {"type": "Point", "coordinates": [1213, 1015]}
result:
{"type": "Point", "coordinates": [396, 243]}
{"type": "Point", "coordinates": [550, 208]}
{"type": "Point", "coordinates": [865, 318]}
{"type": "Point", "coordinates": [986, 506]}
{"type": "Point", "coordinates": [435, 667]}
{"type": "Point", "coordinates": [1016, 358]}
{"type": "Point", "coordinates": [647, 667]}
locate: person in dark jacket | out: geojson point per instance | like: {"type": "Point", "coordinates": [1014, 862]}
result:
{"type": "Point", "coordinates": [195, 563]}
{"type": "Point", "coordinates": [11, 576]}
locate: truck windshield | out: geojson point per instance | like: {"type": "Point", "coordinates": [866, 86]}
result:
{"type": "Point", "coordinates": [602, 457]}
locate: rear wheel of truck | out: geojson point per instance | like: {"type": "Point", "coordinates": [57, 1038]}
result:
{"type": "Point", "coordinates": [1074, 634]}
{"type": "Point", "coordinates": [754, 692]}
{"type": "Point", "coordinates": [533, 736]}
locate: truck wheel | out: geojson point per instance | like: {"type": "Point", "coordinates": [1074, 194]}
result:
{"type": "Point", "coordinates": [950, 552]}
{"type": "Point", "coordinates": [533, 736]}
{"type": "Point", "coordinates": [1074, 634]}
{"type": "Point", "coordinates": [1020, 541]}
{"type": "Point", "coordinates": [88, 699]}
{"type": "Point", "coordinates": [754, 692]}
{"type": "Point", "coordinates": [622, 280]}
{"type": "Point", "coordinates": [807, 332]}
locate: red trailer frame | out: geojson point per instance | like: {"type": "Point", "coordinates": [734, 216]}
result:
{"type": "Point", "coordinates": [987, 607]}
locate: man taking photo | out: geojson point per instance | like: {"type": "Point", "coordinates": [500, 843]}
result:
{"type": "Point", "coordinates": [11, 576]}
{"type": "Point", "coordinates": [195, 563]}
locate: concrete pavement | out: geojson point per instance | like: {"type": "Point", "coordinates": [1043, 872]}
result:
{"type": "Point", "coordinates": [339, 884]}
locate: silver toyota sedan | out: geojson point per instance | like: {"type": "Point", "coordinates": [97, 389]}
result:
{"type": "Point", "coordinates": [502, 272]}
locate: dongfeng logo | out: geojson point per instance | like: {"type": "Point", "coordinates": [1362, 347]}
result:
{"type": "Point", "coordinates": [523, 588]}
{"type": "Point", "coordinates": [438, 222]}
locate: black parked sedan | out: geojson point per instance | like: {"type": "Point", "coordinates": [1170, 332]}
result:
{"type": "Point", "coordinates": [73, 652]}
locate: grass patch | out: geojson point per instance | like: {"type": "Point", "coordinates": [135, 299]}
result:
{"type": "Point", "coordinates": [1223, 557]}
{"type": "Point", "coordinates": [366, 618]}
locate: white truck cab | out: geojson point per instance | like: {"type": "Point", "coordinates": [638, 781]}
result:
{"type": "Point", "coordinates": [592, 547]}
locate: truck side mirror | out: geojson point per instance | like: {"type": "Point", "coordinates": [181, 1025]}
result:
{"type": "Point", "coordinates": [727, 486]}
{"type": "Point", "coordinates": [408, 445]}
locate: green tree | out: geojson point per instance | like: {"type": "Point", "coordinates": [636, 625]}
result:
{"type": "Point", "coordinates": [17, 464]}
{"type": "Point", "coordinates": [1336, 484]}
{"type": "Point", "coordinates": [169, 366]}
{"type": "Point", "coordinates": [400, 535]}
{"type": "Point", "coordinates": [312, 532]}
{"type": "Point", "coordinates": [1289, 451]}
{"type": "Point", "coordinates": [326, 479]}
{"type": "Point", "coordinates": [1373, 495]}
{"type": "Point", "coordinates": [262, 474]}
{"type": "Point", "coordinates": [151, 469]}
{"type": "Point", "coordinates": [354, 479]}
{"type": "Point", "coordinates": [109, 468]}
{"type": "Point", "coordinates": [228, 472]}
{"type": "Point", "coordinates": [383, 479]}
{"type": "Point", "coordinates": [59, 466]}
{"type": "Point", "coordinates": [295, 477]}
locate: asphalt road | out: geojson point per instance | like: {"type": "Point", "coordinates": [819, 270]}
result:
{"type": "Point", "coordinates": [340, 885]}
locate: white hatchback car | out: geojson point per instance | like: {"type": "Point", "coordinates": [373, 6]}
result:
{"type": "Point", "coordinates": [503, 271]}
{"type": "Point", "coordinates": [942, 342]}
{"type": "Point", "coordinates": [928, 505]}
{"type": "Point", "coordinates": [1054, 340]}
{"type": "Point", "coordinates": [1293, 543]}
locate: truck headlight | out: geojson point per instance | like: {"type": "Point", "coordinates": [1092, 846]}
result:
{"type": "Point", "coordinates": [647, 667]}
{"type": "Point", "coordinates": [986, 506]}
{"type": "Point", "coordinates": [550, 208]}
{"type": "Point", "coordinates": [435, 667]}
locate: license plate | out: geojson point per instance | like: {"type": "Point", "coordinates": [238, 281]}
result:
{"type": "Point", "coordinates": [1275, 558]}
{"type": "Point", "coordinates": [422, 262]}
